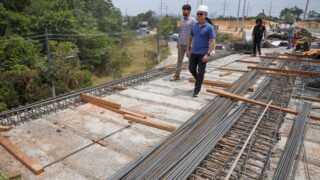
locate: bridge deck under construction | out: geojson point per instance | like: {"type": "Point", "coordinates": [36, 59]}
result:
{"type": "Point", "coordinates": [87, 141]}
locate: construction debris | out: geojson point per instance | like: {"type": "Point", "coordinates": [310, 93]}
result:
{"type": "Point", "coordinates": [313, 53]}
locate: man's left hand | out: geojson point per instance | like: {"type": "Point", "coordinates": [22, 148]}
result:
{"type": "Point", "coordinates": [205, 58]}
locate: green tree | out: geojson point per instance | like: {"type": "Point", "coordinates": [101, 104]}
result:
{"type": "Point", "coordinates": [147, 16]}
{"type": "Point", "coordinates": [67, 73]}
{"type": "Point", "coordinates": [288, 17]}
{"type": "Point", "coordinates": [8, 97]}
{"type": "Point", "coordinates": [15, 50]}
{"type": "Point", "coordinates": [53, 14]}
{"type": "Point", "coordinates": [295, 12]}
{"type": "Point", "coordinates": [166, 26]}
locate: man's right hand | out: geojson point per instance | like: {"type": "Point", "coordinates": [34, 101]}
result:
{"type": "Point", "coordinates": [177, 45]}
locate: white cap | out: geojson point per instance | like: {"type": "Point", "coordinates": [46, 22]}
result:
{"type": "Point", "coordinates": [203, 8]}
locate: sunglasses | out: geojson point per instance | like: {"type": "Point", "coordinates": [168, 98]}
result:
{"type": "Point", "coordinates": [200, 14]}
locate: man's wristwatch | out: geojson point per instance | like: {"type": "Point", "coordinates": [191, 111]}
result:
{"type": "Point", "coordinates": [208, 54]}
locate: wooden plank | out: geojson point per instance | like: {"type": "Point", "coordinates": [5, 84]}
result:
{"type": "Point", "coordinates": [218, 84]}
{"type": "Point", "coordinates": [251, 101]}
{"type": "Point", "coordinates": [286, 71]}
{"type": "Point", "coordinates": [5, 128]}
{"type": "Point", "coordinates": [225, 74]}
{"type": "Point", "coordinates": [93, 100]}
{"type": "Point", "coordinates": [306, 98]}
{"type": "Point", "coordinates": [233, 70]}
{"type": "Point", "coordinates": [251, 62]}
{"type": "Point", "coordinates": [284, 74]}
{"type": "Point", "coordinates": [30, 163]}
{"type": "Point", "coordinates": [125, 111]}
{"type": "Point", "coordinates": [149, 122]}
{"type": "Point", "coordinates": [285, 55]}
{"type": "Point", "coordinates": [289, 59]}
{"type": "Point", "coordinates": [120, 111]}
{"type": "Point", "coordinates": [115, 107]}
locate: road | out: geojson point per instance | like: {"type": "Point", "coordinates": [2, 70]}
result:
{"type": "Point", "coordinates": [172, 59]}
{"type": "Point", "coordinates": [315, 32]}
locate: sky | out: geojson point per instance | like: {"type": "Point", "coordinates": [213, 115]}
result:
{"type": "Point", "coordinates": [216, 7]}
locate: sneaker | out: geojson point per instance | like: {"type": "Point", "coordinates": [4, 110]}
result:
{"type": "Point", "coordinates": [175, 78]}
{"type": "Point", "coordinates": [195, 95]}
{"type": "Point", "coordinates": [253, 55]}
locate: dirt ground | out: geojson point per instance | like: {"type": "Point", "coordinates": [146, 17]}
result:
{"type": "Point", "coordinates": [310, 25]}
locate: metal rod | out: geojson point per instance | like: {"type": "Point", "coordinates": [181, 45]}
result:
{"type": "Point", "coordinates": [246, 142]}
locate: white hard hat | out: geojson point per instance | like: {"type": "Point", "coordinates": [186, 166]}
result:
{"type": "Point", "coordinates": [203, 8]}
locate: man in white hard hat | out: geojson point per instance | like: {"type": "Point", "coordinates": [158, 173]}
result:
{"type": "Point", "coordinates": [201, 44]}
{"type": "Point", "coordinates": [184, 31]}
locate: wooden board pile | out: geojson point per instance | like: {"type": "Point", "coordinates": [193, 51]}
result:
{"type": "Point", "coordinates": [313, 53]}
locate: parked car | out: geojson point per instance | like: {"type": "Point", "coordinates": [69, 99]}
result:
{"type": "Point", "coordinates": [174, 37]}
{"type": "Point", "coordinates": [220, 47]}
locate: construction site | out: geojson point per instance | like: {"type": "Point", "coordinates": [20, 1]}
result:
{"type": "Point", "coordinates": [256, 117]}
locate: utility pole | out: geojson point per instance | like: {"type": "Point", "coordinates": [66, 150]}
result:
{"type": "Point", "coordinates": [270, 10]}
{"type": "Point", "coordinates": [247, 9]}
{"type": "Point", "coordinates": [244, 9]}
{"type": "Point", "coordinates": [305, 11]}
{"type": "Point", "coordinates": [238, 15]}
{"type": "Point", "coordinates": [51, 77]}
{"type": "Point", "coordinates": [166, 10]}
{"type": "Point", "coordinates": [162, 6]}
{"type": "Point", "coordinates": [158, 43]}
{"type": "Point", "coordinates": [224, 8]}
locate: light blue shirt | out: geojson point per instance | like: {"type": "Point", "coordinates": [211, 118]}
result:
{"type": "Point", "coordinates": [291, 31]}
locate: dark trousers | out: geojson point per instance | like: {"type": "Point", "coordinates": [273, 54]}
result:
{"type": "Point", "coordinates": [256, 42]}
{"type": "Point", "coordinates": [197, 68]}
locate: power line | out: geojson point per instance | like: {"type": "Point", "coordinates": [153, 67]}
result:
{"type": "Point", "coordinates": [248, 7]}
{"type": "Point", "coordinates": [270, 10]}
{"type": "Point", "coordinates": [53, 88]}
{"type": "Point", "coordinates": [161, 7]}
{"type": "Point", "coordinates": [224, 8]}
{"type": "Point", "coordinates": [244, 9]}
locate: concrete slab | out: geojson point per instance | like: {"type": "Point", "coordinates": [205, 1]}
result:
{"type": "Point", "coordinates": [164, 113]}
{"type": "Point", "coordinates": [163, 100]}
{"type": "Point", "coordinates": [176, 93]}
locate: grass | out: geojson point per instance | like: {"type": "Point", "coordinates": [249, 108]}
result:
{"type": "Point", "coordinates": [2, 175]}
{"type": "Point", "coordinates": [143, 54]}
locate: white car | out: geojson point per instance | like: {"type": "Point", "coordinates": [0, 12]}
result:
{"type": "Point", "coordinates": [174, 37]}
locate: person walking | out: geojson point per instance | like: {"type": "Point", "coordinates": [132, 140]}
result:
{"type": "Point", "coordinates": [290, 35]}
{"type": "Point", "coordinates": [184, 31]}
{"type": "Point", "coordinates": [294, 38]}
{"type": "Point", "coordinates": [201, 44]}
{"type": "Point", "coordinates": [258, 32]}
